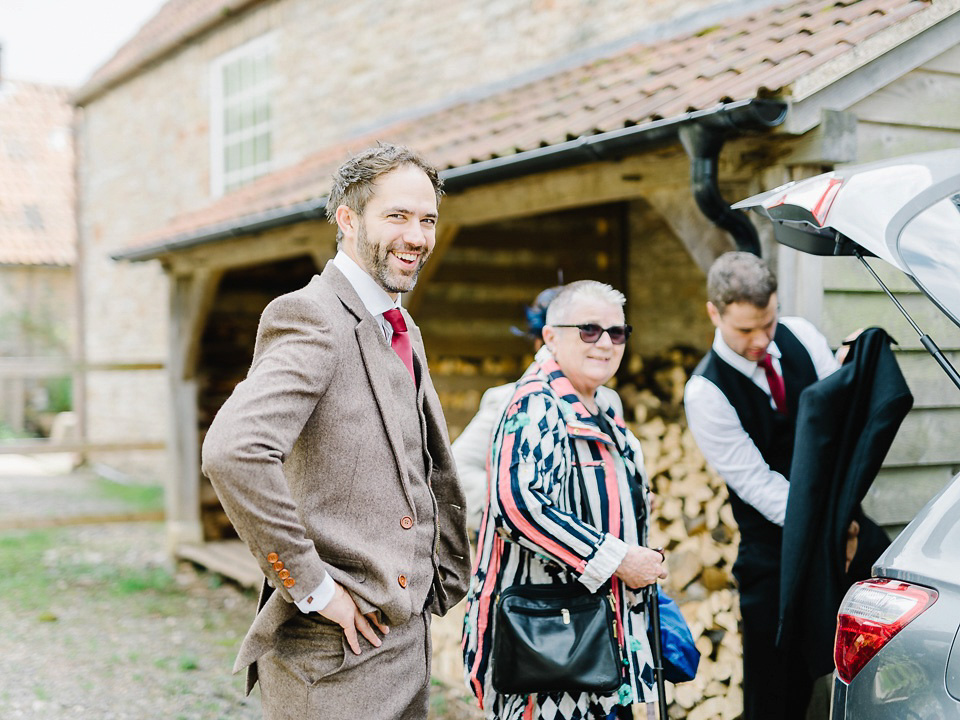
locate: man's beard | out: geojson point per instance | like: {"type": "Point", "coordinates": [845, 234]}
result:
{"type": "Point", "coordinates": [377, 262]}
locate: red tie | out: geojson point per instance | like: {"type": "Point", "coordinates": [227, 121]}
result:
{"type": "Point", "coordinates": [401, 340]}
{"type": "Point", "coordinates": [777, 390]}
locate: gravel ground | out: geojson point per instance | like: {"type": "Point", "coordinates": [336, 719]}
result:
{"type": "Point", "coordinates": [99, 625]}
{"type": "Point", "coordinates": [96, 623]}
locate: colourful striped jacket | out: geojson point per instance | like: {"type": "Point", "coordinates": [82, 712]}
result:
{"type": "Point", "coordinates": [542, 525]}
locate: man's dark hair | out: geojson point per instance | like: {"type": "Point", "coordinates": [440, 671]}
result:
{"type": "Point", "coordinates": [353, 181]}
{"type": "Point", "coordinates": [740, 277]}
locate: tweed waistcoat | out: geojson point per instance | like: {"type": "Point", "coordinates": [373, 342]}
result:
{"type": "Point", "coordinates": [409, 409]}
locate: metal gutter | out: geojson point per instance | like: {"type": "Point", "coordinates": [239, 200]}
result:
{"type": "Point", "coordinates": [736, 117]}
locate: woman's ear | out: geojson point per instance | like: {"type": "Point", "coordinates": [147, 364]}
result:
{"type": "Point", "coordinates": [549, 335]}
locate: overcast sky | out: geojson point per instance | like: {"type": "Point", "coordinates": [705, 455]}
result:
{"type": "Point", "coordinates": [61, 42]}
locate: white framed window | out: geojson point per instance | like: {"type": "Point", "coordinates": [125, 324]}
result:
{"type": "Point", "coordinates": [242, 82]}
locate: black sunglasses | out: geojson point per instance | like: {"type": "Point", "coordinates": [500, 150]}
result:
{"type": "Point", "coordinates": [591, 332]}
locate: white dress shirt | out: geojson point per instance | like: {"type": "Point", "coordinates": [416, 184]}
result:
{"type": "Point", "coordinates": [377, 302]}
{"type": "Point", "coordinates": [716, 426]}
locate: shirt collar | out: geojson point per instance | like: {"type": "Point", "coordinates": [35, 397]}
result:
{"type": "Point", "coordinates": [737, 361]}
{"type": "Point", "coordinates": [374, 297]}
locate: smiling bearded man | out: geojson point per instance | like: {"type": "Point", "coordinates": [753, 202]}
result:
{"type": "Point", "coordinates": [332, 460]}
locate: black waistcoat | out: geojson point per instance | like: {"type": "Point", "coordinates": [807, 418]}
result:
{"type": "Point", "coordinates": [771, 431]}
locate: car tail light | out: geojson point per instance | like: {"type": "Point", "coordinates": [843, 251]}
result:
{"type": "Point", "coordinates": [872, 612]}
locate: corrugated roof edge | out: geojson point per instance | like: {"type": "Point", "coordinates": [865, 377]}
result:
{"type": "Point", "coordinates": [744, 115]}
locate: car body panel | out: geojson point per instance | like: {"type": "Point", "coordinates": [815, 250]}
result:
{"type": "Point", "coordinates": [906, 679]}
{"type": "Point", "coordinates": [905, 211]}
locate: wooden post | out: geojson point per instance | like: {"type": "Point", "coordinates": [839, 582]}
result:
{"type": "Point", "coordinates": [191, 296]}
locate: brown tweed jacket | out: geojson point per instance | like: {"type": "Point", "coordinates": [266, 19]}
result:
{"type": "Point", "coordinates": [308, 462]}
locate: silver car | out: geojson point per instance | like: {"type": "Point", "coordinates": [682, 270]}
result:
{"type": "Point", "coordinates": [897, 650]}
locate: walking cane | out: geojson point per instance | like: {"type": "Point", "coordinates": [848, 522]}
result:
{"type": "Point", "coordinates": [658, 651]}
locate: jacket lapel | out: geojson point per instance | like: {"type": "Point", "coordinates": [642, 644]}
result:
{"type": "Point", "coordinates": [373, 346]}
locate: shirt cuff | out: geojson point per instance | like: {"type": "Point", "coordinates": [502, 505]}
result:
{"type": "Point", "coordinates": [319, 598]}
{"type": "Point", "coordinates": [604, 564]}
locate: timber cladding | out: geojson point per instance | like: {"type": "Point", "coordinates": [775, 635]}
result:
{"type": "Point", "coordinates": [227, 348]}
{"type": "Point", "coordinates": [478, 294]}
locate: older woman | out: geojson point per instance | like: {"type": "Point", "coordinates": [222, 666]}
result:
{"type": "Point", "coordinates": [568, 504]}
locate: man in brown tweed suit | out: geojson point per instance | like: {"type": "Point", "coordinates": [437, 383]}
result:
{"type": "Point", "coordinates": [332, 460]}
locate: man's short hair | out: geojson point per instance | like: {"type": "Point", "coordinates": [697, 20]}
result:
{"type": "Point", "coordinates": [353, 181]}
{"type": "Point", "coordinates": [740, 277]}
{"type": "Point", "coordinates": [559, 309]}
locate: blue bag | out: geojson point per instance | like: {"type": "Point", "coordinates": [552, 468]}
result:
{"type": "Point", "coordinates": [680, 654]}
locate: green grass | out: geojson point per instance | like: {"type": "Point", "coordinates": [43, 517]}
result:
{"type": "Point", "coordinates": [35, 564]}
{"type": "Point", "coordinates": [135, 581]}
{"type": "Point", "coordinates": [140, 498]}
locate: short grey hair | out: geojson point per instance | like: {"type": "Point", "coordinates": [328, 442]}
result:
{"type": "Point", "coordinates": [353, 181]}
{"type": "Point", "coordinates": [740, 277]}
{"type": "Point", "coordinates": [558, 312]}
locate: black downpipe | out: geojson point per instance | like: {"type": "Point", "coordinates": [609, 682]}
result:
{"type": "Point", "coordinates": [703, 144]}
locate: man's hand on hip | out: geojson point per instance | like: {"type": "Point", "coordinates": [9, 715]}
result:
{"type": "Point", "coordinates": [344, 611]}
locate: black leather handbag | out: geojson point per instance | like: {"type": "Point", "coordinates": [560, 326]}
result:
{"type": "Point", "coordinates": [554, 638]}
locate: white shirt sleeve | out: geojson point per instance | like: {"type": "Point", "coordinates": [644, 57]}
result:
{"type": "Point", "coordinates": [824, 361]}
{"type": "Point", "coordinates": [319, 598]}
{"type": "Point", "coordinates": [728, 448]}
{"type": "Point", "coordinates": [604, 564]}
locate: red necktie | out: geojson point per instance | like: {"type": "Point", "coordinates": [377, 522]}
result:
{"type": "Point", "coordinates": [401, 340]}
{"type": "Point", "coordinates": [777, 390]}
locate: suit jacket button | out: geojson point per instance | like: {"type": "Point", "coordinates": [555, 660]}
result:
{"type": "Point", "coordinates": [406, 522]}
{"type": "Point", "coordinates": [272, 558]}
{"type": "Point", "coordinates": [283, 574]}
{"type": "Point", "coordinates": [278, 565]}
{"type": "Point", "coordinates": [402, 580]}
{"type": "Point", "coordinates": [289, 582]}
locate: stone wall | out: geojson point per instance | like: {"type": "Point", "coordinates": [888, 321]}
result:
{"type": "Point", "coordinates": [34, 324]}
{"type": "Point", "coordinates": [144, 146]}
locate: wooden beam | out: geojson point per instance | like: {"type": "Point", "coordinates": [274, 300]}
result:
{"type": "Point", "coordinates": [314, 237]}
{"type": "Point", "coordinates": [703, 240]}
{"type": "Point", "coordinates": [42, 446]}
{"type": "Point", "coordinates": [59, 367]}
{"type": "Point", "coordinates": [833, 141]}
{"type": "Point", "coordinates": [596, 183]}
{"type": "Point", "coordinates": [194, 299]}
{"type": "Point", "coordinates": [188, 294]}
{"type": "Point", "coordinates": [446, 234]}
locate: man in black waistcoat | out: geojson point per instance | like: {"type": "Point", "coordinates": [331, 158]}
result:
{"type": "Point", "coordinates": [741, 405]}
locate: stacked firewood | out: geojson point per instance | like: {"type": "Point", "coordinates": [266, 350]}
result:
{"type": "Point", "coordinates": [693, 522]}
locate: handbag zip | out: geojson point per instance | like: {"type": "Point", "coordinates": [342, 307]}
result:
{"type": "Point", "coordinates": [542, 612]}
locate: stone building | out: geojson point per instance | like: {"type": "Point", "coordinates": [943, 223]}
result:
{"type": "Point", "coordinates": [593, 139]}
{"type": "Point", "coordinates": [37, 254]}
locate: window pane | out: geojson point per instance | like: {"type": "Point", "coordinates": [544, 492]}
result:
{"type": "Point", "coordinates": [231, 119]}
{"type": "Point", "coordinates": [231, 79]}
{"type": "Point", "coordinates": [262, 110]}
{"type": "Point", "coordinates": [261, 145]}
{"type": "Point", "coordinates": [231, 158]}
{"type": "Point", "coordinates": [246, 115]}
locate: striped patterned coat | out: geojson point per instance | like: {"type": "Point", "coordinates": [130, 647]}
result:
{"type": "Point", "coordinates": [541, 525]}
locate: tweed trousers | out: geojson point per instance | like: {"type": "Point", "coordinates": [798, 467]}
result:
{"type": "Point", "coordinates": [312, 674]}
